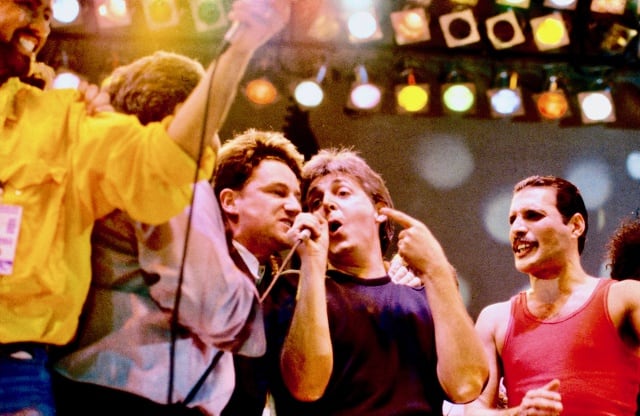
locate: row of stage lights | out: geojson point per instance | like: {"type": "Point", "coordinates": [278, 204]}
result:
{"type": "Point", "coordinates": [548, 29]}
{"type": "Point", "coordinates": [207, 15]}
{"type": "Point", "coordinates": [457, 96]}
{"type": "Point", "coordinates": [506, 24]}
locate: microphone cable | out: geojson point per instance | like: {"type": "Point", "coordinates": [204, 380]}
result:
{"type": "Point", "coordinates": [304, 235]}
{"type": "Point", "coordinates": [174, 321]}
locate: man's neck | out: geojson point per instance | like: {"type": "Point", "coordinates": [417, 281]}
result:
{"type": "Point", "coordinates": [365, 264]}
{"type": "Point", "coordinates": [361, 270]}
{"type": "Point", "coordinates": [554, 298]}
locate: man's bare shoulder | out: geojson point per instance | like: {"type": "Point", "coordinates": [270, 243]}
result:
{"type": "Point", "coordinates": [625, 293]}
{"type": "Point", "coordinates": [493, 321]}
{"type": "Point", "coordinates": [498, 309]}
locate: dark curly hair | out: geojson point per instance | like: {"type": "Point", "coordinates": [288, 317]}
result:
{"type": "Point", "coordinates": [623, 251]}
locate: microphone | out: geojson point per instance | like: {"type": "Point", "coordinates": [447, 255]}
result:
{"type": "Point", "coordinates": [229, 36]}
{"type": "Point", "coordinates": [304, 236]}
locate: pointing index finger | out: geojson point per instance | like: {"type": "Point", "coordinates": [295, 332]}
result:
{"type": "Point", "coordinates": [398, 216]}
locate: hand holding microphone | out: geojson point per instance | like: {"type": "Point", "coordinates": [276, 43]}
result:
{"type": "Point", "coordinates": [303, 236]}
{"type": "Point", "coordinates": [255, 21]}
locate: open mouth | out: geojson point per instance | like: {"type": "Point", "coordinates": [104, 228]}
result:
{"type": "Point", "coordinates": [334, 226]}
{"type": "Point", "coordinates": [27, 44]}
{"type": "Point", "coordinates": [521, 247]}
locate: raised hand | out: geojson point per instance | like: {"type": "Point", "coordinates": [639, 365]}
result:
{"type": "Point", "coordinates": [417, 245]}
{"type": "Point", "coordinates": [400, 273]}
{"type": "Point", "coordinates": [545, 401]}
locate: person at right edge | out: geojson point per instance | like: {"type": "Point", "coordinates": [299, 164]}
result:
{"type": "Point", "coordinates": [623, 253]}
{"type": "Point", "coordinates": [569, 344]}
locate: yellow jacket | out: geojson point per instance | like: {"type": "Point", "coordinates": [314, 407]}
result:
{"type": "Point", "coordinates": [66, 169]}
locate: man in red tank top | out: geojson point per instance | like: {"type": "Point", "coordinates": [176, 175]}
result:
{"type": "Point", "coordinates": [570, 343]}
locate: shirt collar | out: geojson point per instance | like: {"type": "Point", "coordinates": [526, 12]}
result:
{"type": "Point", "coordinates": [249, 259]}
{"type": "Point", "coordinates": [8, 92]}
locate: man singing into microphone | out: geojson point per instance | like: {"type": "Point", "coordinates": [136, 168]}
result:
{"type": "Point", "coordinates": [354, 343]}
{"type": "Point", "coordinates": [257, 181]}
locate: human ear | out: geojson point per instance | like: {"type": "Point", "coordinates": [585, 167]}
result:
{"type": "Point", "coordinates": [228, 201]}
{"type": "Point", "coordinates": [578, 224]}
{"type": "Point", "coordinates": [380, 218]}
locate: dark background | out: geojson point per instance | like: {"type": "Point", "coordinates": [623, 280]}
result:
{"type": "Point", "coordinates": [453, 173]}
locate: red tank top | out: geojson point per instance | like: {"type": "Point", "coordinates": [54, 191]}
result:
{"type": "Point", "coordinates": [598, 373]}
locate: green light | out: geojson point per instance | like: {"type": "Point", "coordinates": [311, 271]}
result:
{"type": "Point", "coordinates": [458, 98]}
{"type": "Point", "coordinates": [209, 12]}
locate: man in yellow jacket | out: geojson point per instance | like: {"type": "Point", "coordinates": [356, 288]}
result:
{"type": "Point", "coordinates": [61, 168]}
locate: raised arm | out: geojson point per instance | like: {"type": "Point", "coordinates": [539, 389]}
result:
{"type": "Point", "coordinates": [260, 20]}
{"type": "Point", "coordinates": [218, 303]}
{"type": "Point", "coordinates": [307, 355]}
{"type": "Point", "coordinates": [462, 363]}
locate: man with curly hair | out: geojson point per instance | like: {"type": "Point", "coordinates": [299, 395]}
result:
{"type": "Point", "coordinates": [624, 256]}
{"type": "Point", "coordinates": [624, 251]}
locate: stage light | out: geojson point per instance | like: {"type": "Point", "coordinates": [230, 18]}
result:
{"type": "Point", "coordinates": [609, 6]}
{"type": "Point", "coordinates": [410, 26]}
{"type": "Point", "coordinates": [617, 38]}
{"type": "Point", "coordinates": [561, 4]}
{"type": "Point", "coordinates": [412, 97]}
{"type": "Point", "coordinates": [459, 98]}
{"type": "Point", "coordinates": [458, 95]}
{"type": "Point", "coordinates": [364, 95]}
{"type": "Point", "coordinates": [459, 28]}
{"type": "Point", "coordinates": [522, 4]}
{"type": "Point", "coordinates": [261, 91]}
{"type": "Point", "coordinates": [552, 104]}
{"type": "Point", "coordinates": [549, 31]}
{"type": "Point", "coordinates": [160, 14]}
{"type": "Point", "coordinates": [112, 13]}
{"type": "Point", "coordinates": [65, 78]}
{"type": "Point", "coordinates": [506, 100]}
{"type": "Point", "coordinates": [504, 31]}
{"type": "Point", "coordinates": [309, 93]}
{"type": "Point", "coordinates": [363, 27]}
{"type": "Point", "coordinates": [208, 15]}
{"type": "Point", "coordinates": [362, 21]}
{"type": "Point", "coordinates": [65, 12]}
{"type": "Point", "coordinates": [597, 107]}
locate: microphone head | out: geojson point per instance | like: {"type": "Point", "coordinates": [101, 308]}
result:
{"type": "Point", "coordinates": [305, 235]}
